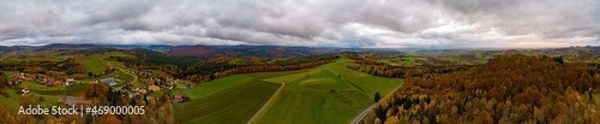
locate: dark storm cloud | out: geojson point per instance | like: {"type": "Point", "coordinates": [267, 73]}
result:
{"type": "Point", "coordinates": [342, 23]}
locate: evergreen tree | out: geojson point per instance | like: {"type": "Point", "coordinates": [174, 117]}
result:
{"type": "Point", "coordinates": [377, 97]}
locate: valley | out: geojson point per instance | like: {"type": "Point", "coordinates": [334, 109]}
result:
{"type": "Point", "coordinates": [325, 87]}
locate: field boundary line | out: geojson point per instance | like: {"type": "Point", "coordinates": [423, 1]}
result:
{"type": "Point", "coordinates": [265, 105]}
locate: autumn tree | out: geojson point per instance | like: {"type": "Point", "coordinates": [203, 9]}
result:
{"type": "Point", "coordinates": [508, 89]}
{"type": "Point", "coordinates": [3, 81]}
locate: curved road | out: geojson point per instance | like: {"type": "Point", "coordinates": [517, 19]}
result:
{"type": "Point", "coordinates": [368, 110]}
{"type": "Point", "coordinates": [135, 78]}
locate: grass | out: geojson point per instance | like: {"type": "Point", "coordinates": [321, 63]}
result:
{"type": "Point", "coordinates": [138, 84]}
{"type": "Point", "coordinates": [159, 73]}
{"type": "Point", "coordinates": [263, 75]}
{"type": "Point", "coordinates": [9, 74]}
{"type": "Point", "coordinates": [11, 101]}
{"type": "Point", "coordinates": [51, 56]}
{"type": "Point", "coordinates": [213, 86]}
{"type": "Point", "coordinates": [95, 64]}
{"type": "Point", "coordinates": [403, 61]}
{"type": "Point", "coordinates": [71, 90]}
{"type": "Point", "coordinates": [118, 74]}
{"type": "Point", "coordinates": [319, 98]}
{"type": "Point", "coordinates": [373, 84]}
{"type": "Point", "coordinates": [234, 105]}
{"type": "Point", "coordinates": [117, 64]}
{"type": "Point", "coordinates": [312, 107]}
{"type": "Point", "coordinates": [157, 94]}
{"type": "Point", "coordinates": [50, 96]}
{"type": "Point", "coordinates": [330, 93]}
{"type": "Point", "coordinates": [286, 78]}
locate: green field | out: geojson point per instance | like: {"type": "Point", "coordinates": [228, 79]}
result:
{"type": "Point", "coordinates": [50, 95]}
{"type": "Point", "coordinates": [95, 64]}
{"type": "Point", "coordinates": [71, 90]}
{"type": "Point", "coordinates": [213, 87]}
{"type": "Point", "coordinates": [320, 96]}
{"type": "Point", "coordinates": [234, 105]}
{"type": "Point", "coordinates": [51, 56]}
{"type": "Point", "coordinates": [403, 61]}
{"type": "Point", "coordinates": [329, 93]}
{"type": "Point", "coordinates": [118, 74]}
{"type": "Point", "coordinates": [13, 99]}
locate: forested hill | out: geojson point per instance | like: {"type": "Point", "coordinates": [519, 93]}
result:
{"type": "Point", "coordinates": [256, 51]}
{"type": "Point", "coordinates": [508, 89]}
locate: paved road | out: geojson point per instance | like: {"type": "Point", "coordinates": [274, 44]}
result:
{"type": "Point", "coordinates": [368, 110]}
{"type": "Point", "coordinates": [364, 113]}
{"type": "Point", "coordinates": [265, 105]}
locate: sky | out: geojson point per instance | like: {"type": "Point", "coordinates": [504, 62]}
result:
{"type": "Point", "coordinates": [311, 23]}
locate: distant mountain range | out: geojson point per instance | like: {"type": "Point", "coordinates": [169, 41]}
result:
{"type": "Point", "coordinates": [241, 50]}
{"type": "Point", "coordinates": [196, 51]}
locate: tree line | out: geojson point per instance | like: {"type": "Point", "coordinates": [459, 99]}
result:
{"type": "Point", "coordinates": [381, 69]}
{"type": "Point", "coordinates": [509, 89]}
{"type": "Point", "coordinates": [202, 70]}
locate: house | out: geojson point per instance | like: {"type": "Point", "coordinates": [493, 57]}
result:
{"type": "Point", "coordinates": [179, 98]}
{"type": "Point", "coordinates": [17, 78]}
{"type": "Point", "coordinates": [56, 83]}
{"type": "Point", "coordinates": [75, 101]}
{"type": "Point", "coordinates": [44, 81]}
{"type": "Point", "coordinates": [142, 91]}
{"type": "Point", "coordinates": [154, 88]}
{"type": "Point", "coordinates": [72, 100]}
{"type": "Point", "coordinates": [69, 81]}
{"type": "Point", "coordinates": [25, 90]}
{"type": "Point", "coordinates": [109, 80]}
{"type": "Point", "coordinates": [50, 81]}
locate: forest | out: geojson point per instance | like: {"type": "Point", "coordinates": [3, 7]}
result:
{"type": "Point", "coordinates": [511, 88]}
{"type": "Point", "coordinates": [363, 64]}
{"type": "Point", "coordinates": [202, 69]}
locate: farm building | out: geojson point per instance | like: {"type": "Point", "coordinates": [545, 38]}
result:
{"type": "Point", "coordinates": [154, 88]}
{"type": "Point", "coordinates": [109, 80]}
{"type": "Point", "coordinates": [71, 100]}
{"type": "Point", "coordinates": [25, 90]}
{"type": "Point", "coordinates": [69, 81]}
{"type": "Point", "coordinates": [75, 101]}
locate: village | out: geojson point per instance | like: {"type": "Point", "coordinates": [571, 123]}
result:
{"type": "Point", "coordinates": [41, 82]}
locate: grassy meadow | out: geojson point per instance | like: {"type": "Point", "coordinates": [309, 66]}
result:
{"type": "Point", "coordinates": [233, 105]}
{"type": "Point", "coordinates": [330, 93]}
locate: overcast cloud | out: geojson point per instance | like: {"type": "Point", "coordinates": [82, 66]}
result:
{"type": "Point", "coordinates": [313, 23]}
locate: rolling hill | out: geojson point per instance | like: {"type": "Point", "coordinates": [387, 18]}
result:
{"type": "Point", "coordinates": [329, 93]}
